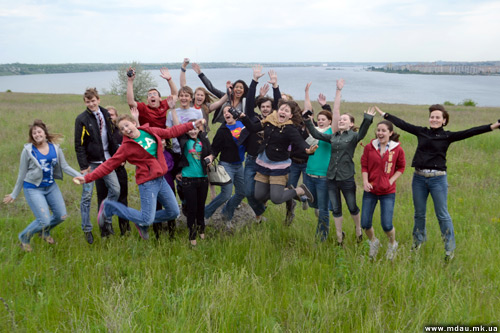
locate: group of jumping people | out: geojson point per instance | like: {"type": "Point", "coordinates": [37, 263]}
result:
{"type": "Point", "coordinates": [264, 154]}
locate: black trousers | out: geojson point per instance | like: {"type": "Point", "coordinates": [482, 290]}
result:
{"type": "Point", "coordinates": [195, 194]}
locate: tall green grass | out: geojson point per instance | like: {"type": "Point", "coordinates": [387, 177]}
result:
{"type": "Point", "coordinates": [265, 277]}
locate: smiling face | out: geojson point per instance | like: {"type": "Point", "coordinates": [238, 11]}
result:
{"type": "Point", "coordinates": [383, 133]}
{"type": "Point", "coordinates": [193, 134]}
{"type": "Point", "coordinates": [185, 100]}
{"type": "Point", "coordinates": [436, 119]}
{"type": "Point", "coordinates": [239, 90]}
{"type": "Point", "coordinates": [129, 129]}
{"type": "Point", "coordinates": [284, 113]}
{"type": "Point", "coordinates": [345, 122]}
{"type": "Point", "coordinates": [38, 135]}
{"type": "Point", "coordinates": [323, 121]}
{"type": "Point", "coordinates": [154, 98]}
{"type": "Point", "coordinates": [266, 108]}
{"type": "Point", "coordinates": [199, 97]}
{"type": "Point", "coordinates": [92, 103]}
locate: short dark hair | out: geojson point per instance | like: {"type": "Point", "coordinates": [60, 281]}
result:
{"type": "Point", "coordinates": [263, 99]}
{"type": "Point", "coordinates": [439, 107]}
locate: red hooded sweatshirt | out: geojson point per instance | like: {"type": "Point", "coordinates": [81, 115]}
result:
{"type": "Point", "coordinates": [147, 166]}
{"type": "Point", "coordinates": [381, 168]}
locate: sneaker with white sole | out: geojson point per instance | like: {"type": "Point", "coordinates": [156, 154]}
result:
{"type": "Point", "coordinates": [374, 246]}
{"type": "Point", "coordinates": [101, 217]}
{"type": "Point", "coordinates": [143, 231]}
{"type": "Point", "coordinates": [449, 255]}
{"type": "Point", "coordinates": [391, 250]}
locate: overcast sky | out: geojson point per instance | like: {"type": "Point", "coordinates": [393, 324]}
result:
{"type": "Point", "coordinates": [74, 31]}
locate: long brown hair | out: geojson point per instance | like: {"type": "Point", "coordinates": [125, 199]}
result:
{"type": "Point", "coordinates": [52, 138]}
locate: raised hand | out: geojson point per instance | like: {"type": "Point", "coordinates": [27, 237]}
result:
{"type": "Point", "coordinates": [229, 87]}
{"type": "Point", "coordinates": [135, 113]}
{"type": "Point", "coordinates": [185, 63]}
{"type": "Point", "coordinates": [131, 70]}
{"type": "Point", "coordinates": [257, 72]}
{"type": "Point", "coordinates": [340, 84]}
{"type": "Point", "coordinates": [371, 111]}
{"type": "Point", "coordinates": [321, 99]}
{"type": "Point", "coordinates": [273, 78]}
{"type": "Point", "coordinates": [307, 99]}
{"type": "Point", "coordinates": [264, 90]}
{"type": "Point", "coordinates": [196, 68]}
{"type": "Point", "coordinates": [171, 100]}
{"type": "Point", "coordinates": [165, 74]}
{"type": "Point", "coordinates": [382, 113]}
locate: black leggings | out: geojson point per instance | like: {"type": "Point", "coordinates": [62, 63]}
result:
{"type": "Point", "coordinates": [195, 194]}
{"type": "Point", "coordinates": [277, 193]}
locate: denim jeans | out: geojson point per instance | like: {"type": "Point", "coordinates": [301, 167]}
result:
{"type": "Point", "coordinates": [386, 210]}
{"type": "Point", "coordinates": [40, 201]}
{"type": "Point", "coordinates": [348, 188]}
{"type": "Point", "coordinates": [438, 189]}
{"type": "Point", "coordinates": [319, 190]}
{"type": "Point", "coordinates": [150, 192]}
{"type": "Point", "coordinates": [258, 207]}
{"type": "Point", "coordinates": [295, 170]}
{"type": "Point", "coordinates": [236, 172]}
{"type": "Point", "coordinates": [113, 186]}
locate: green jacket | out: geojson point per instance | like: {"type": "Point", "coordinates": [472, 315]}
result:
{"type": "Point", "coordinates": [341, 165]}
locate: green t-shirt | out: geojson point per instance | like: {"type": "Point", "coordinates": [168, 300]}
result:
{"type": "Point", "coordinates": [192, 151]}
{"type": "Point", "coordinates": [148, 142]}
{"type": "Point", "coordinates": [317, 164]}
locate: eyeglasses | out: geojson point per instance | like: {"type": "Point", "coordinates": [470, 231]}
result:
{"type": "Point", "coordinates": [153, 93]}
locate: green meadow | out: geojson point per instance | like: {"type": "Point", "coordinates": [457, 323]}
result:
{"type": "Point", "coordinates": [264, 277]}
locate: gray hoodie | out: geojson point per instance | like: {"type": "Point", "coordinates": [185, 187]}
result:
{"type": "Point", "coordinates": [30, 169]}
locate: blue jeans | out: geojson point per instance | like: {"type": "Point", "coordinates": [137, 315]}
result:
{"type": "Point", "coordinates": [386, 210]}
{"type": "Point", "coordinates": [438, 189]}
{"type": "Point", "coordinates": [40, 201]}
{"type": "Point", "coordinates": [295, 170]}
{"type": "Point", "coordinates": [348, 188]}
{"type": "Point", "coordinates": [258, 207]}
{"type": "Point", "coordinates": [150, 192]}
{"type": "Point", "coordinates": [319, 190]}
{"type": "Point", "coordinates": [113, 186]}
{"type": "Point", "coordinates": [236, 172]}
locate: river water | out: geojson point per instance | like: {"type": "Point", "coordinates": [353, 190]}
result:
{"type": "Point", "coordinates": [360, 86]}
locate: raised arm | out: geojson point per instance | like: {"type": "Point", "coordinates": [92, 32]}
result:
{"type": "Point", "coordinates": [182, 78]}
{"type": "Point", "coordinates": [206, 81]}
{"type": "Point", "coordinates": [399, 122]}
{"type": "Point", "coordinates": [250, 102]}
{"type": "Point", "coordinates": [130, 88]}
{"type": "Point", "coordinates": [217, 104]}
{"type": "Point", "coordinates": [273, 80]}
{"type": "Point", "coordinates": [165, 74]}
{"type": "Point", "coordinates": [336, 105]}
{"type": "Point", "coordinates": [367, 121]}
{"type": "Point", "coordinates": [307, 98]}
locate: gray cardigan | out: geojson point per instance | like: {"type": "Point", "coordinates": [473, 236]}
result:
{"type": "Point", "coordinates": [30, 169]}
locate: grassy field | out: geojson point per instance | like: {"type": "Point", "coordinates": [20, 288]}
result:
{"type": "Point", "coordinates": [266, 277]}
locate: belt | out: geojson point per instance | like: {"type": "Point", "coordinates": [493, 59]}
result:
{"type": "Point", "coordinates": [299, 160]}
{"type": "Point", "coordinates": [315, 176]}
{"type": "Point", "coordinates": [430, 173]}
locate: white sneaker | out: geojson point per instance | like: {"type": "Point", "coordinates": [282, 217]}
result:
{"type": "Point", "coordinates": [449, 255]}
{"type": "Point", "coordinates": [374, 246]}
{"type": "Point", "coordinates": [391, 251]}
